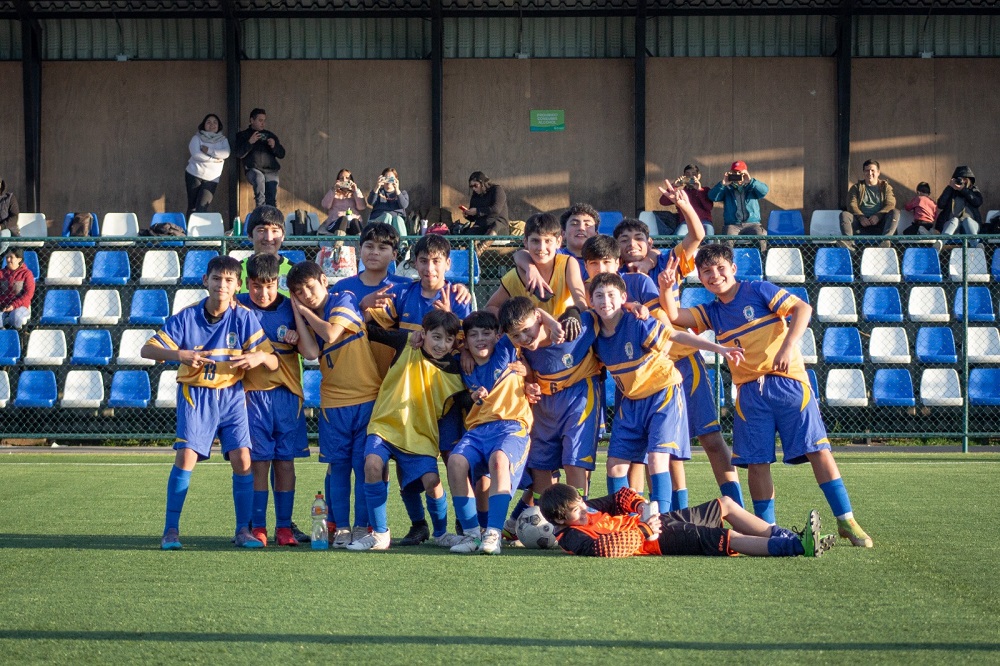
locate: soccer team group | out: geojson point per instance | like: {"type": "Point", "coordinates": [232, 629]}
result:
{"type": "Point", "coordinates": [510, 396]}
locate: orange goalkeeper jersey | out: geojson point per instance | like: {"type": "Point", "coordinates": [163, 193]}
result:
{"type": "Point", "coordinates": [612, 529]}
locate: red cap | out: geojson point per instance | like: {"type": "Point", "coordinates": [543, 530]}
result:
{"type": "Point", "coordinates": [738, 166]}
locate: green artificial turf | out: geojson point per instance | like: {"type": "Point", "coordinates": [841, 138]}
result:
{"type": "Point", "coordinates": [85, 582]}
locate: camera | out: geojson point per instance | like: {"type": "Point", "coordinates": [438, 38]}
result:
{"type": "Point", "coordinates": [345, 185]}
{"type": "Point", "coordinates": [734, 176]}
{"type": "Point", "coordinates": [391, 179]}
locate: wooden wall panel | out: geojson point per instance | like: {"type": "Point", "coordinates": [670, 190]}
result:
{"type": "Point", "coordinates": [486, 128]}
{"type": "Point", "coordinates": [360, 115]}
{"type": "Point", "coordinates": [115, 135]}
{"type": "Point", "coordinates": [12, 122]}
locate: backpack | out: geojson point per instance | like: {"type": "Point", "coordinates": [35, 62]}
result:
{"type": "Point", "coordinates": [80, 224]}
{"type": "Point", "coordinates": [163, 229]}
{"type": "Point", "coordinates": [300, 223]}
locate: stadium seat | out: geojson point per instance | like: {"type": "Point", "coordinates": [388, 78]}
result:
{"type": "Point", "coordinates": [95, 231]}
{"type": "Point", "coordinates": [785, 223]}
{"type": "Point", "coordinates": [825, 223]}
{"type": "Point", "coordinates": [175, 218]}
{"type": "Point", "coordinates": [149, 306]}
{"type": "Point", "coordinates": [893, 387]}
{"type": "Point", "coordinates": [10, 347]}
{"type": "Point", "coordinates": [842, 345]}
{"type": "Point", "coordinates": [807, 347]}
{"type": "Point", "coordinates": [240, 255]}
{"type": "Point", "coordinates": [293, 256]}
{"type": "Point", "coordinates": [83, 389]}
{"type": "Point", "coordinates": [185, 297]}
{"type": "Point", "coordinates": [4, 389]}
{"type": "Point", "coordinates": [846, 388]}
{"type": "Point", "coordinates": [32, 225]}
{"type": "Point", "coordinates": [936, 344]}
{"type": "Point", "coordinates": [119, 224]}
{"type": "Point", "coordinates": [784, 265]}
{"type": "Point", "coordinates": [649, 218]}
{"type": "Point", "coordinates": [111, 268]}
{"type": "Point", "coordinates": [46, 346]}
{"type": "Point", "coordinates": [836, 304]}
{"type": "Point", "coordinates": [889, 345]}
{"type": "Point", "coordinates": [160, 267]}
{"type": "Point", "coordinates": [205, 224]}
{"type": "Point", "coordinates": [707, 356]}
{"type": "Point", "coordinates": [939, 387]}
{"type": "Point", "coordinates": [102, 307]}
{"type": "Point", "coordinates": [880, 264]}
{"type": "Point", "coordinates": [928, 304]}
{"type": "Point", "coordinates": [195, 264]}
{"type": "Point", "coordinates": [36, 388]}
{"type": "Point", "coordinates": [692, 297]}
{"type": "Point", "coordinates": [30, 262]}
{"type": "Point", "coordinates": [609, 220]}
{"type": "Point", "coordinates": [166, 390]}
{"type": "Point", "coordinates": [130, 388]}
{"type": "Point", "coordinates": [710, 377]}
{"type": "Point", "coordinates": [312, 224]}
{"type": "Point", "coordinates": [983, 383]}
{"type": "Point", "coordinates": [977, 270]}
{"type": "Point", "coordinates": [92, 347]}
{"type": "Point", "coordinates": [310, 386]}
{"type": "Point", "coordinates": [459, 271]}
{"type": "Point", "coordinates": [980, 304]}
{"type": "Point", "coordinates": [995, 266]}
{"type": "Point", "coordinates": [62, 307]}
{"type": "Point", "coordinates": [833, 264]}
{"type": "Point", "coordinates": [66, 267]}
{"type": "Point", "coordinates": [749, 265]}
{"type": "Point", "coordinates": [920, 264]}
{"type": "Point", "coordinates": [131, 342]}
{"type": "Point", "coordinates": [984, 346]}
{"type": "Point", "coordinates": [882, 304]}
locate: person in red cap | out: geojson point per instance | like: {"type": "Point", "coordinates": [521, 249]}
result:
{"type": "Point", "coordinates": [740, 194]}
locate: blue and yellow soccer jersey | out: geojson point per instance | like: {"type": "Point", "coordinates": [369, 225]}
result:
{"type": "Point", "coordinates": [755, 321]}
{"type": "Point", "coordinates": [283, 269]}
{"type": "Point", "coordinates": [579, 260]}
{"type": "Point", "coordinates": [561, 298]}
{"type": "Point", "coordinates": [347, 366]}
{"type": "Point", "coordinates": [636, 356]}
{"type": "Point", "coordinates": [276, 322]}
{"type": "Point", "coordinates": [408, 306]}
{"type": "Point", "coordinates": [355, 286]}
{"type": "Point", "coordinates": [557, 367]}
{"type": "Point", "coordinates": [506, 400]}
{"type": "Point", "coordinates": [237, 333]}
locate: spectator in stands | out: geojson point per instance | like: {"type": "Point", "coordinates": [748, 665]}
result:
{"type": "Point", "coordinates": [343, 205]}
{"type": "Point", "coordinates": [871, 206]}
{"type": "Point", "coordinates": [209, 149]}
{"type": "Point", "coordinates": [697, 195]}
{"type": "Point", "coordinates": [740, 195]}
{"type": "Point", "coordinates": [958, 206]}
{"type": "Point", "coordinates": [260, 151]}
{"type": "Point", "coordinates": [17, 287]}
{"type": "Point", "coordinates": [8, 214]}
{"type": "Point", "coordinates": [924, 211]}
{"type": "Point", "coordinates": [487, 209]}
{"type": "Point", "coordinates": [389, 201]}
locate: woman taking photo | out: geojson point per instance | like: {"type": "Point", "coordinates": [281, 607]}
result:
{"type": "Point", "coordinates": [345, 195]}
{"type": "Point", "coordinates": [389, 201]}
{"type": "Point", "coordinates": [209, 149]}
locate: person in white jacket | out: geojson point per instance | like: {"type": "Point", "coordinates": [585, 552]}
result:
{"type": "Point", "coordinates": [209, 149]}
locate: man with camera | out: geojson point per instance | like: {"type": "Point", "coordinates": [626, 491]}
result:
{"type": "Point", "coordinates": [958, 205]}
{"type": "Point", "coordinates": [871, 206]}
{"type": "Point", "coordinates": [740, 195]}
{"type": "Point", "coordinates": [260, 151]}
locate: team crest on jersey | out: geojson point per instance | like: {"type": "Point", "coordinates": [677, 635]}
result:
{"type": "Point", "coordinates": [748, 313]}
{"type": "Point", "coordinates": [283, 282]}
{"type": "Point", "coordinates": [231, 340]}
{"type": "Point", "coordinates": [497, 373]}
{"type": "Point", "coordinates": [629, 350]}
{"type": "Point", "coordinates": [567, 360]}
{"type": "Point", "coordinates": [282, 331]}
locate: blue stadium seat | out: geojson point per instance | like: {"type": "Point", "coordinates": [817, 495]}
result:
{"type": "Point", "coordinates": [61, 306]}
{"type": "Point", "coordinates": [842, 345]}
{"type": "Point", "coordinates": [10, 347]}
{"type": "Point", "coordinates": [994, 266]}
{"type": "Point", "coordinates": [294, 256]}
{"type": "Point", "coordinates": [786, 223]}
{"type": "Point", "coordinates": [882, 304]}
{"type": "Point", "coordinates": [95, 230]}
{"type": "Point", "coordinates": [36, 388]}
{"type": "Point", "coordinates": [92, 347]}
{"type": "Point", "coordinates": [893, 387]}
{"type": "Point", "coordinates": [694, 296]}
{"type": "Point", "coordinates": [130, 388]}
{"type": "Point", "coordinates": [983, 383]}
{"type": "Point", "coordinates": [310, 386]}
{"type": "Point", "coordinates": [30, 262]}
{"type": "Point", "coordinates": [921, 264]}
{"type": "Point", "coordinates": [609, 220]}
{"type": "Point", "coordinates": [980, 304]}
{"type": "Point", "coordinates": [195, 263]}
{"type": "Point", "coordinates": [111, 267]}
{"type": "Point", "coordinates": [936, 344]}
{"type": "Point", "coordinates": [172, 218]}
{"type": "Point", "coordinates": [800, 292]}
{"type": "Point", "coordinates": [459, 271]}
{"type": "Point", "coordinates": [710, 377]}
{"type": "Point", "coordinates": [832, 264]}
{"type": "Point", "coordinates": [149, 306]}
{"type": "Point", "coordinates": [813, 382]}
{"type": "Point", "coordinates": [749, 265]}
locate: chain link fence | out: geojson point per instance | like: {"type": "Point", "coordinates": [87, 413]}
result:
{"type": "Point", "coordinates": [903, 341]}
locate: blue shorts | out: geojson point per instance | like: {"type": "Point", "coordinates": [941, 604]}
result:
{"type": "Point", "coordinates": [480, 443]}
{"type": "Point", "coordinates": [654, 424]}
{"type": "Point", "coordinates": [565, 427]}
{"type": "Point", "coordinates": [782, 405]}
{"type": "Point", "coordinates": [342, 433]}
{"type": "Point", "coordinates": [277, 425]}
{"type": "Point", "coordinates": [204, 413]}
{"type": "Point", "coordinates": [699, 394]}
{"type": "Point", "coordinates": [412, 467]}
{"type": "Point", "coordinates": [451, 427]}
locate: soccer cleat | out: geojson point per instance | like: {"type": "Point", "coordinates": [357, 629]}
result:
{"type": "Point", "coordinates": [447, 540]}
{"type": "Point", "coordinates": [373, 541]}
{"type": "Point", "coordinates": [510, 530]}
{"type": "Point", "coordinates": [491, 542]}
{"type": "Point", "coordinates": [260, 533]}
{"type": "Point", "coordinates": [810, 535]}
{"type": "Point", "coordinates": [341, 538]}
{"type": "Point", "coordinates": [417, 535]}
{"type": "Point", "coordinates": [468, 544]}
{"type": "Point", "coordinates": [171, 540]}
{"type": "Point", "coordinates": [828, 541]}
{"type": "Point", "coordinates": [285, 537]}
{"type": "Point", "coordinates": [244, 539]}
{"type": "Point", "coordinates": [850, 530]}
{"type": "Point", "coordinates": [299, 535]}
{"type": "Point", "coordinates": [359, 532]}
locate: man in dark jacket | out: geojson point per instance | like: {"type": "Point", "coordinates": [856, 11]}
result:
{"type": "Point", "coordinates": [8, 211]}
{"type": "Point", "coordinates": [958, 206]}
{"type": "Point", "coordinates": [260, 151]}
{"type": "Point", "coordinates": [871, 206]}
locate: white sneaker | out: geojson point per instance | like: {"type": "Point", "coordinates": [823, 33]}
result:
{"type": "Point", "coordinates": [341, 537]}
{"type": "Point", "coordinates": [468, 544]}
{"type": "Point", "coordinates": [491, 542]}
{"type": "Point", "coordinates": [447, 540]}
{"type": "Point", "coordinates": [509, 530]}
{"type": "Point", "coordinates": [373, 541]}
{"type": "Point", "coordinates": [359, 532]}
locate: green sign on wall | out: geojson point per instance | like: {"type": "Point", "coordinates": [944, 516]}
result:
{"type": "Point", "coordinates": [548, 120]}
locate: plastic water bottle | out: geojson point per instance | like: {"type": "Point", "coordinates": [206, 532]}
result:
{"type": "Point", "coordinates": [237, 226]}
{"type": "Point", "coordinates": [320, 537]}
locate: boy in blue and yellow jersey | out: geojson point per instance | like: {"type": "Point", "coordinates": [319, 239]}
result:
{"type": "Point", "coordinates": [421, 384]}
{"type": "Point", "coordinates": [265, 226]}
{"type": "Point", "coordinates": [579, 222]}
{"type": "Point", "coordinates": [216, 341]}
{"type": "Point", "coordinates": [379, 245]}
{"type": "Point", "coordinates": [274, 399]}
{"type": "Point", "coordinates": [349, 385]}
{"type": "Point", "coordinates": [496, 440]}
{"type": "Point", "coordinates": [774, 394]}
{"type": "Point", "coordinates": [651, 421]}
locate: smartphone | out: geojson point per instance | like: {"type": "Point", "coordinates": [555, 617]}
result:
{"type": "Point", "coordinates": [733, 177]}
{"type": "Point", "coordinates": [649, 510]}
{"type": "Point", "coordinates": [464, 208]}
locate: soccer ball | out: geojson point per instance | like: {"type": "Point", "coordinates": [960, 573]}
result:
{"type": "Point", "coordinates": [534, 531]}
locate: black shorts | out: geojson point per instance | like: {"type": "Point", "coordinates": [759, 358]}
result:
{"type": "Point", "coordinates": [697, 530]}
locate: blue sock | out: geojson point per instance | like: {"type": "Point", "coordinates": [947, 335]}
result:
{"type": "Point", "coordinates": [360, 501]}
{"type": "Point", "coordinates": [329, 504]}
{"type": "Point", "coordinates": [784, 547]}
{"type": "Point", "coordinates": [283, 503]}
{"type": "Point", "coordinates": [377, 496]}
{"type": "Point", "coordinates": [177, 488]}
{"type": "Point", "coordinates": [499, 505]}
{"type": "Point", "coordinates": [465, 511]}
{"type": "Point", "coordinates": [764, 509]}
{"type": "Point", "coordinates": [616, 483]}
{"type": "Point", "coordinates": [243, 499]}
{"type": "Point", "coordinates": [783, 532]}
{"type": "Point", "coordinates": [679, 499]}
{"type": "Point", "coordinates": [414, 507]}
{"type": "Point", "coordinates": [836, 496]}
{"type": "Point", "coordinates": [733, 491]}
{"type": "Point", "coordinates": [438, 508]}
{"type": "Point", "coordinates": [660, 490]}
{"type": "Point", "coordinates": [339, 499]}
{"type": "Point", "coordinates": [483, 517]}
{"type": "Point", "coordinates": [518, 508]}
{"type": "Point", "coordinates": [260, 507]}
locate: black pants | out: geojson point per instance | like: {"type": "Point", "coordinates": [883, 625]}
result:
{"type": "Point", "coordinates": [200, 193]}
